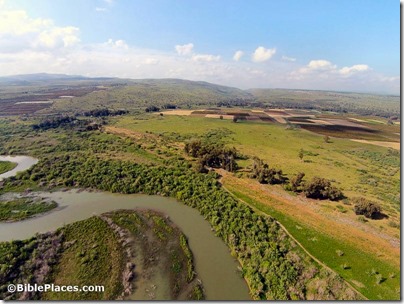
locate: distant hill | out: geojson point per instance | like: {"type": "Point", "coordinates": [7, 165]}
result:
{"type": "Point", "coordinates": [31, 79]}
{"type": "Point", "coordinates": [115, 93]}
{"type": "Point", "coordinates": [360, 103]}
{"type": "Point", "coordinates": [162, 93]}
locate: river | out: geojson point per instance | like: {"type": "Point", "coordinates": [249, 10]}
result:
{"type": "Point", "coordinates": [213, 262]}
{"type": "Point", "coordinates": [23, 163]}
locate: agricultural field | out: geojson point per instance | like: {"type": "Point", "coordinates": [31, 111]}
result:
{"type": "Point", "coordinates": [324, 228]}
{"type": "Point", "coordinates": [307, 200]}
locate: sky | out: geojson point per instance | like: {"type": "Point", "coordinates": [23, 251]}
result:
{"type": "Point", "coordinates": [344, 45]}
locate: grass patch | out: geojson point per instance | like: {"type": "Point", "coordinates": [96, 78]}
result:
{"type": "Point", "coordinates": [6, 166]}
{"type": "Point", "coordinates": [325, 247]}
{"type": "Point", "coordinates": [94, 257]}
{"type": "Point", "coordinates": [23, 208]}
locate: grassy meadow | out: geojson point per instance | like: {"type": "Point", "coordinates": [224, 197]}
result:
{"type": "Point", "coordinates": [355, 248]}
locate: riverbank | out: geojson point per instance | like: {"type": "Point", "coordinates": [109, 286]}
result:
{"type": "Point", "coordinates": [132, 254]}
{"type": "Point", "coordinates": [211, 259]}
{"type": "Point", "coordinates": [22, 163]}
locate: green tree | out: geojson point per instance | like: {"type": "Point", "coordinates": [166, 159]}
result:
{"type": "Point", "coordinates": [301, 154]}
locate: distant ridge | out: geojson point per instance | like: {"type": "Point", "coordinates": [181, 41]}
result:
{"type": "Point", "coordinates": [29, 79]}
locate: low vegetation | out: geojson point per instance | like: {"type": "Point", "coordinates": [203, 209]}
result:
{"type": "Point", "coordinates": [273, 269]}
{"type": "Point", "coordinates": [6, 166]}
{"type": "Point", "coordinates": [146, 154]}
{"type": "Point", "coordinates": [23, 208]}
{"type": "Point", "coordinates": [96, 251]}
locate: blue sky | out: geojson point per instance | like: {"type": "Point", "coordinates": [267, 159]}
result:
{"type": "Point", "coordinates": [307, 44]}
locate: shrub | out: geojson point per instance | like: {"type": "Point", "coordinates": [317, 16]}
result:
{"type": "Point", "coordinates": [339, 252]}
{"type": "Point", "coordinates": [296, 182]}
{"type": "Point", "coordinates": [320, 188]}
{"type": "Point", "coordinates": [367, 208]}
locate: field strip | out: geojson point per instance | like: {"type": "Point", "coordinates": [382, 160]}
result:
{"type": "Point", "coordinates": [386, 249]}
{"type": "Point", "coordinates": [296, 241]}
{"type": "Point", "coordinates": [387, 144]}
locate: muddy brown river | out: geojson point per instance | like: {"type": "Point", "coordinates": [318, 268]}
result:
{"type": "Point", "coordinates": [23, 163]}
{"type": "Point", "coordinates": [215, 266]}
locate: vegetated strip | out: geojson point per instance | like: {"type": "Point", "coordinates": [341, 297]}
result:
{"type": "Point", "coordinates": [23, 208]}
{"type": "Point", "coordinates": [324, 247]}
{"type": "Point", "coordinates": [95, 251]}
{"type": "Point", "coordinates": [6, 166]}
{"type": "Point", "coordinates": [292, 237]}
{"type": "Point", "coordinates": [271, 262]}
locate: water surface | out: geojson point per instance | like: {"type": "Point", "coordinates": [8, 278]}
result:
{"type": "Point", "coordinates": [213, 262]}
{"type": "Point", "coordinates": [23, 163]}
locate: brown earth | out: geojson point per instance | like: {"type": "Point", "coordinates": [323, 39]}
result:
{"type": "Point", "coordinates": [310, 213]}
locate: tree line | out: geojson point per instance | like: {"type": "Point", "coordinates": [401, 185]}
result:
{"type": "Point", "coordinates": [272, 267]}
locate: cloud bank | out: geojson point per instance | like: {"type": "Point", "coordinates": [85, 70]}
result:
{"type": "Point", "coordinates": [33, 45]}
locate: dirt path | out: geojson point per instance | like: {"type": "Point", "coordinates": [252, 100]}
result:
{"type": "Point", "coordinates": [297, 242]}
{"type": "Point", "coordinates": [387, 144]}
{"type": "Point", "coordinates": [310, 213]}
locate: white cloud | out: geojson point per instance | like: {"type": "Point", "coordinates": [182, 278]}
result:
{"type": "Point", "coordinates": [17, 22]}
{"type": "Point", "coordinates": [185, 49]}
{"type": "Point", "coordinates": [19, 32]}
{"type": "Point", "coordinates": [59, 37]}
{"type": "Point", "coordinates": [320, 65]}
{"type": "Point", "coordinates": [354, 69]}
{"type": "Point", "coordinates": [286, 58]}
{"type": "Point", "coordinates": [33, 45]}
{"type": "Point", "coordinates": [120, 44]}
{"type": "Point", "coordinates": [205, 58]}
{"type": "Point", "coordinates": [262, 54]}
{"type": "Point", "coordinates": [100, 9]}
{"type": "Point", "coordinates": [237, 55]}
{"type": "Point", "coordinates": [109, 2]}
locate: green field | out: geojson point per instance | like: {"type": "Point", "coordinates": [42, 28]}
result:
{"type": "Point", "coordinates": [362, 268]}
{"type": "Point", "coordinates": [23, 208]}
{"type": "Point", "coordinates": [340, 160]}
{"type": "Point", "coordinates": [358, 169]}
{"type": "Point", "coordinates": [6, 166]}
{"type": "Point", "coordinates": [145, 153]}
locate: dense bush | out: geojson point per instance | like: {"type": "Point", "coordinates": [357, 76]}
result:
{"type": "Point", "coordinates": [266, 175]}
{"type": "Point", "coordinates": [152, 109]}
{"type": "Point", "coordinates": [264, 250]}
{"type": "Point", "coordinates": [104, 112]}
{"type": "Point", "coordinates": [321, 188]}
{"type": "Point", "coordinates": [213, 155]}
{"type": "Point", "coordinates": [296, 182]}
{"type": "Point", "coordinates": [369, 209]}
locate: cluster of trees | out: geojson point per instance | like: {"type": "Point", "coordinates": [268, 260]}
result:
{"type": "Point", "coordinates": [55, 122]}
{"type": "Point", "coordinates": [67, 122]}
{"type": "Point", "coordinates": [152, 109]}
{"type": "Point", "coordinates": [273, 269]}
{"type": "Point", "coordinates": [169, 106]}
{"type": "Point", "coordinates": [365, 207]}
{"type": "Point", "coordinates": [317, 187]}
{"type": "Point", "coordinates": [104, 112]}
{"type": "Point", "coordinates": [266, 175]}
{"type": "Point", "coordinates": [321, 188]}
{"type": "Point", "coordinates": [214, 155]}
